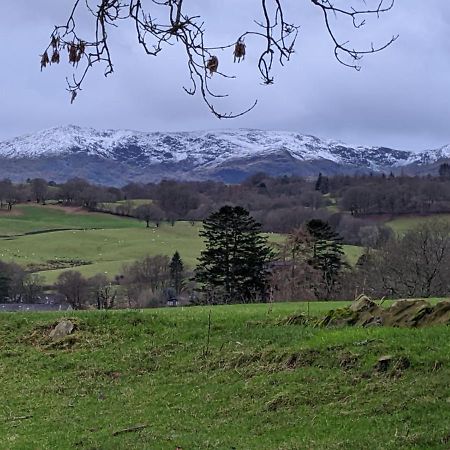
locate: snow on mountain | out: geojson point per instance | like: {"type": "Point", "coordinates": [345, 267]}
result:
{"type": "Point", "coordinates": [202, 146]}
{"type": "Point", "coordinates": [430, 156]}
{"type": "Point", "coordinates": [189, 153]}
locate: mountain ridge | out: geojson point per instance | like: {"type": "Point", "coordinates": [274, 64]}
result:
{"type": "Point", "coordinates": [230, 155]}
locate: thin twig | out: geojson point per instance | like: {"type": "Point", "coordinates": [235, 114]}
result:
{"type": "Point", "coordinates": [189, 31]}
{"type": "Point", "coordinates": [206, 352]}
{"type": "Point", "coordinates": [130, 429]}
{"type": "Point", "coordinates": [13, 419]}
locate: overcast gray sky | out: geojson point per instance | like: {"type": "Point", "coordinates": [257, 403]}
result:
{"type": "Point", "coordinates": [400, 98]}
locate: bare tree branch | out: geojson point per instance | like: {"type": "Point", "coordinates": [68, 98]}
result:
{"type": "Point", "coordinates": [180, 28]}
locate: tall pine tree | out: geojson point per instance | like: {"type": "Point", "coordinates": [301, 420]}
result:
{"type": "Point", "coordinates": [176, 272]}
{"type": "Point", "coordinates": [233, 267]}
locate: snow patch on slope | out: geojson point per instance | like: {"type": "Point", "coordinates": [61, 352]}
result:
{"type": "Point", "coordinates": [206, 148]}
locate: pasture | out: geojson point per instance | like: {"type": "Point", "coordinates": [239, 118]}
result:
{"type": "Point", "coordinates": [50, 239]}
{"type": "Point", "coordinates": [39, 219]}
{"type": "Point", "coordinates": [402, 224]}
{"type": "Point", "coordinates": [90, 242]}
{"type": "Point", "coordinates": [153, 379]}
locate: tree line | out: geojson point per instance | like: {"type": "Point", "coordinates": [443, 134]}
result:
{"type": "Point", "coordinates": [351, 204]}
{"type": "Point", "coordinates": [239, 266]}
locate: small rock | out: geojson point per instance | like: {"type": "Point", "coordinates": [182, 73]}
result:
{"type": "Point", "coordinates": [363, 303]}
{"type": "Point", "coordinates": [63, 329]}
{"type": "Point", "coordinates": [374, 322]}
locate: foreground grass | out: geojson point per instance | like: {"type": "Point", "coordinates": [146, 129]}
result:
{"type": "Point", "coordinates": [259, 385]}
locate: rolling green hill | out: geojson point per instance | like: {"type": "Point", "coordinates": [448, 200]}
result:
{"type": "Point", "coordinates": [150, 380]}
{"type": "Point", "coordinates": [402, 224]}
{"type": "Point", "coordinates": [90, 242]}
{"type": "Point", "coordinates": [50, 239]}
{"type": "Point", "coordinates": [35, 218]}
{"type": "Point", "coordinates": [59, 239]}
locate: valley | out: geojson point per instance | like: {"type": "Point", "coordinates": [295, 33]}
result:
{"type": "Point", "coordinates": [224, 225]}
{"type": "Point", "coordinates": [39, 237]}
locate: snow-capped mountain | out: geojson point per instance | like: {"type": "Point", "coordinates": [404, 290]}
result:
{"type": "Point", "coordinates": [119, 156]}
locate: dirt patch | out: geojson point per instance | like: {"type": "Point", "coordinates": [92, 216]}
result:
{"type": "Point", "coordinates": [15, 212]}
{"type": "Point", "coordinates": [348, 360]}
{"type": "Point", "coordinates": [392, 366]}
{"type": "Point", "coordinates": [294, 319]}
{"type": "Point", "coordinates": [403, 313]}
{"type": "Point", "coordinates": [69, 209]}
{"type": "Point", "coordinates": [56, 264]}
{"type": "Point", "coordinates": [280, 401]}
{"type": "Point", "coordinates": [270, 361]}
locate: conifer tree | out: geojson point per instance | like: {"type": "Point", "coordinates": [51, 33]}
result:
{"type": "Point", "coordinates": [318, 182]}
{"type": "Point", "coordinates": [233, 267]}
{"type": "Point", "coordinates": [322, 184]}
{"type": "Point", "coordinates": [176, 272]}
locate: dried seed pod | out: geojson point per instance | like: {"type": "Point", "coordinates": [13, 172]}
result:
{"type": "Point", "coordinates": [44, 60]}
{"type": "Point", "coordinates": [55, 56]}
{"type": "Point", "coordinates": [73, 53]}
{"type": "Point", "coordinates": [81, 49]}
{"type": "Point", "coordinates": [55, 42]}
{"type": "Point", "coordinates": [239, 51]}
{"type": "Point", "coordinates": [212, 64]}
{"type": "Point", "coordinates": [73, 96]}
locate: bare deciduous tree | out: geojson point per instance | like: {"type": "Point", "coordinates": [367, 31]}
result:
{"type": "Point", "coordinates": [9, 194]}
{"type": "Point", "coordinates": [145, 280]}
{"type": "Point", "coordinates": [102, 291]}
{"type": "Point", "coordinates": [39, 189]}
{"type": "Point", "coordinates": [149, 212]}
{"type": "Point", "coordinates": [416, 264]}
{"type": "Point", "coordinates": [74, 287]}
{"type": "Point", "coordinates": [159, 23]}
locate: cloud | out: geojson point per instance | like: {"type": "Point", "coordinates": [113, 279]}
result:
{"type": "Point", "coordinates": [399, 98]}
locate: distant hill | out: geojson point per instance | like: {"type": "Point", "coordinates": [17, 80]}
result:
{"type": "Point", "coordinates": [120, 156]}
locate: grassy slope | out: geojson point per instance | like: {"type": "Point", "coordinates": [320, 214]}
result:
{"type": "Point", "coordinates": [106, 249]}
{"type": "Point", "coordinates": [403, 224]}
{"type": "Point", "coordinates": [352, 253]}
{"type": "Point", "coordinates": [34, 218]}
{"type": "Point", "coordinates": [104, 240]}
{"type": "Point", "coordinates": [263, 385]}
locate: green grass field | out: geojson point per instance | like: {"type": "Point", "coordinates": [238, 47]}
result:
{"type": "Point", "coordinates": [105, 243]}
{"type": "Point", "coordinates": [91, 242]}
{"type": "Point", "coordinates": [41, 238]}
{"type": "Point", "coordinates": [35, 218]}
{"type": "Point", "coordinates": [402, 224]}
{"type": "Point", "coordinates": [353, 252]}
{"type": "Point", "coordinates": [261, 385]}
